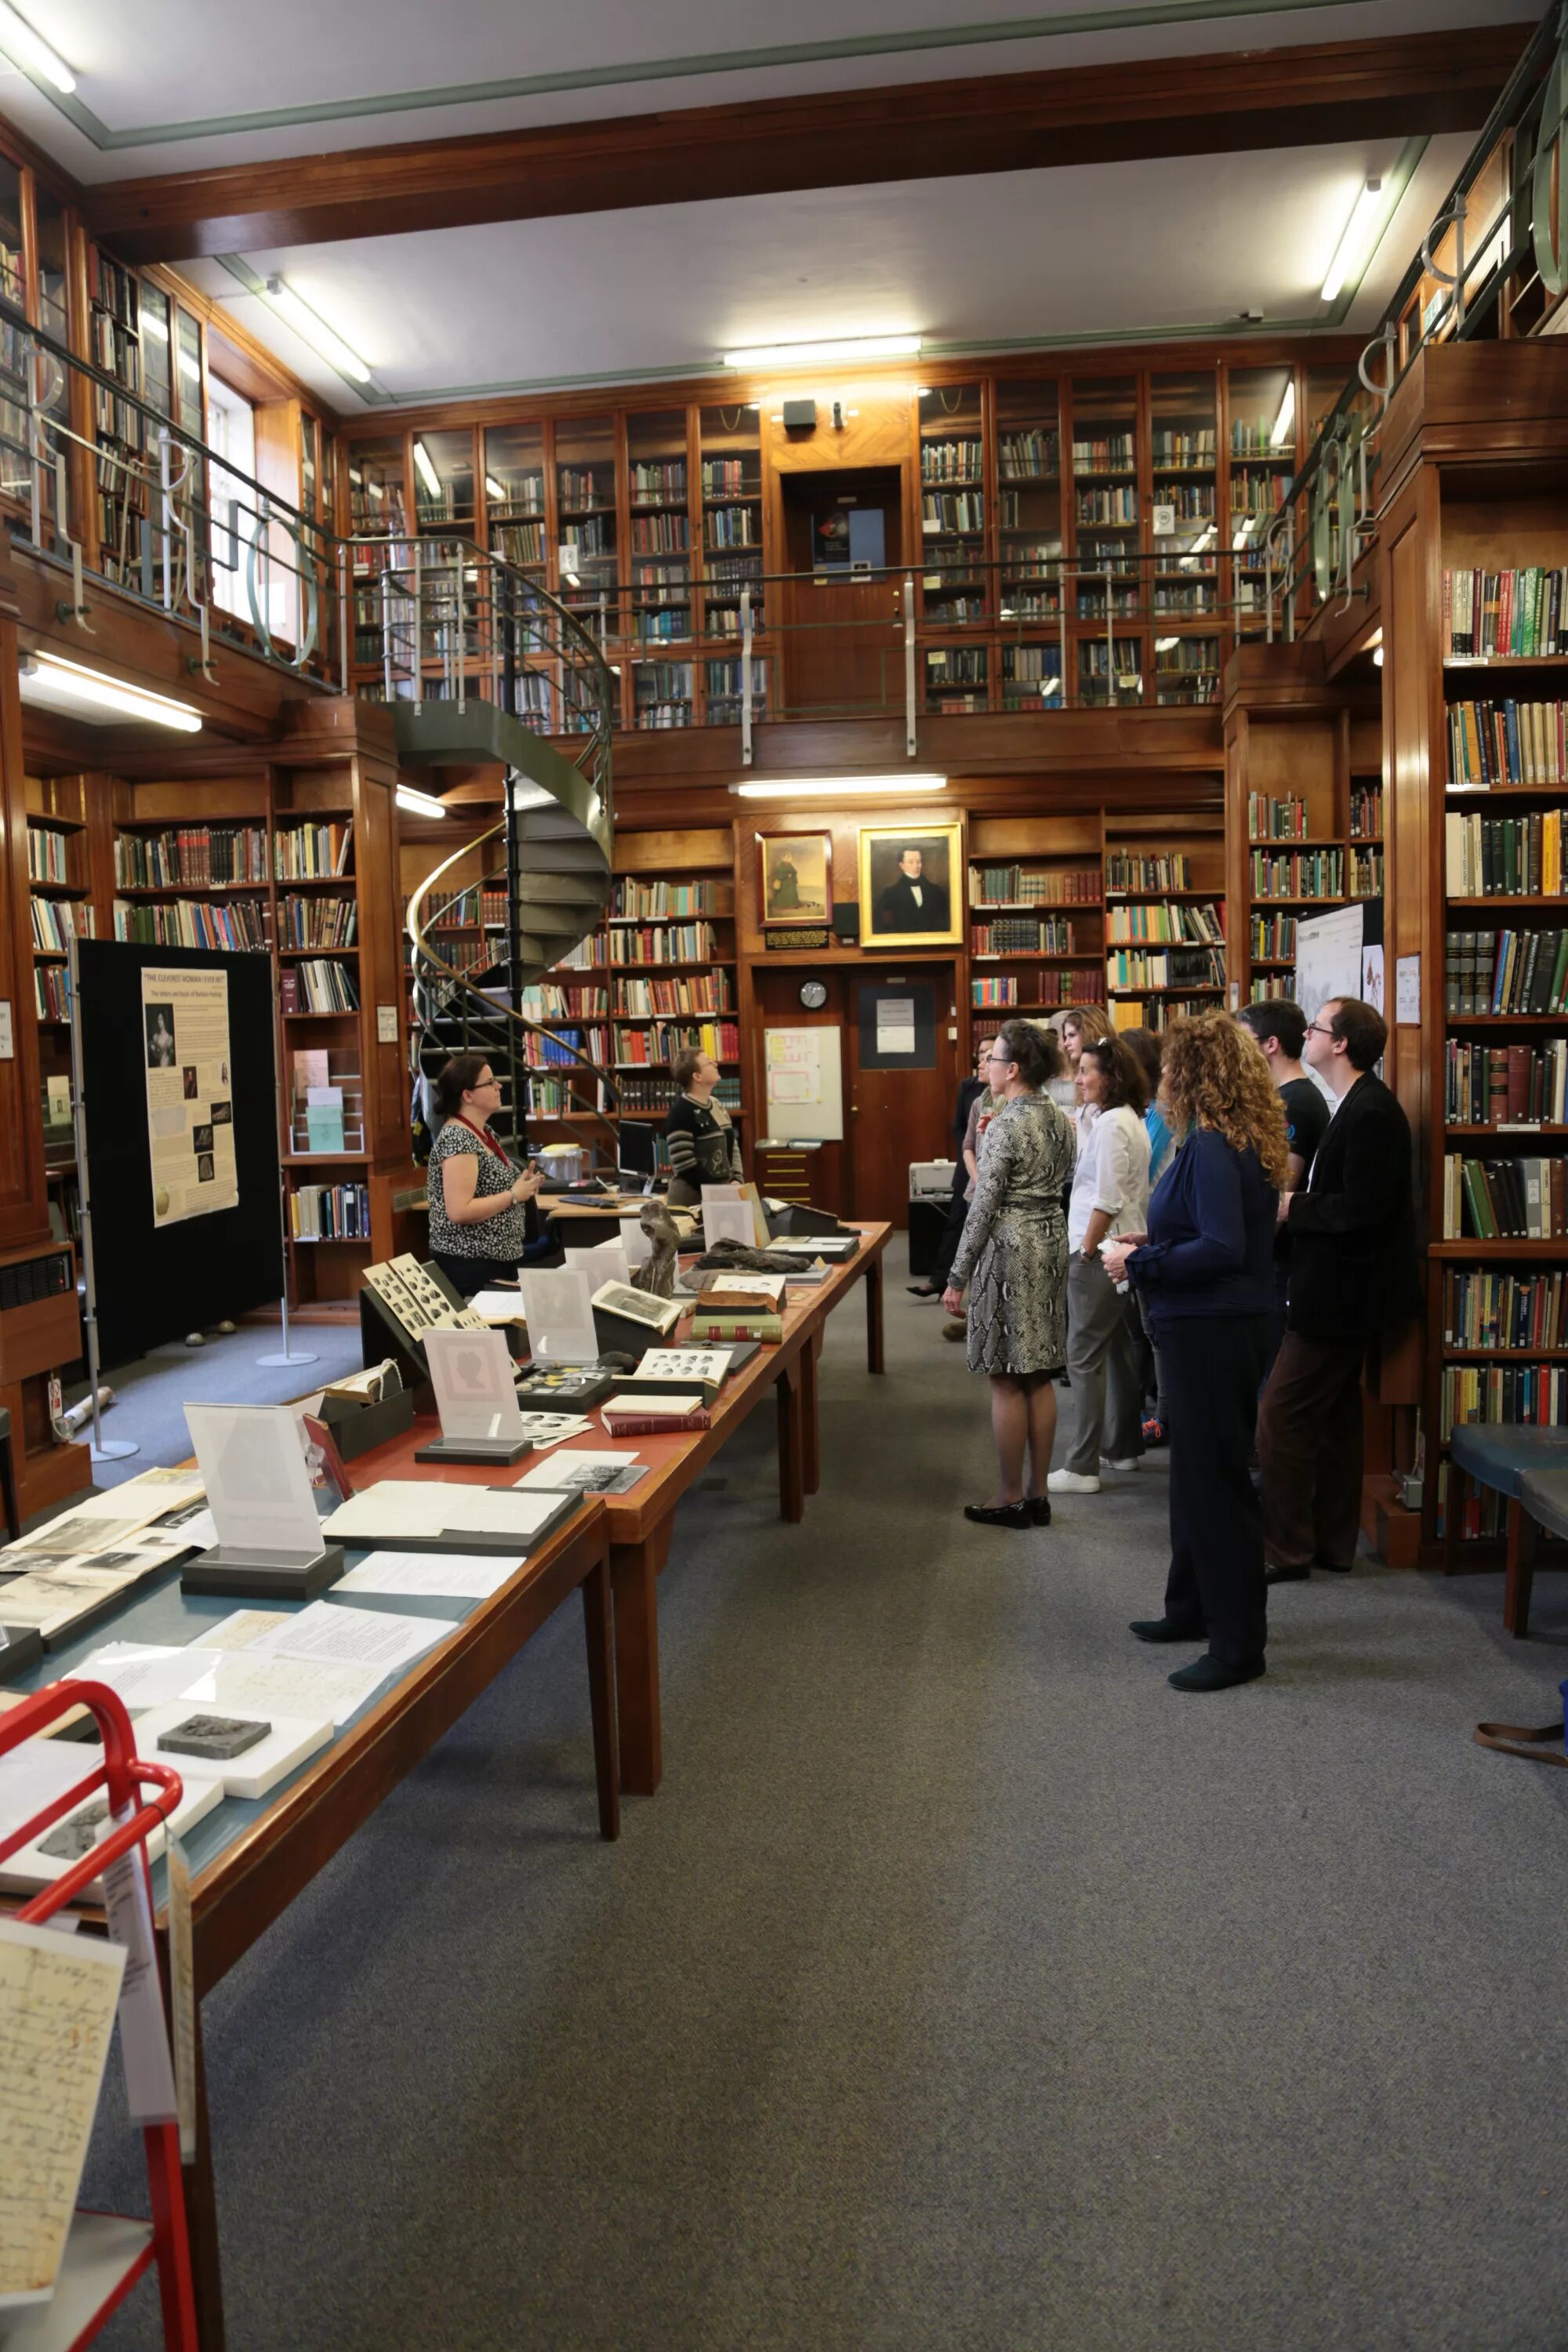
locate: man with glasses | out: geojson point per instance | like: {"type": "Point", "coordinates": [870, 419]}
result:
{"type": "Point", "coordinates": [1279, 1026]}
{"type": "Point", "coordinates": [973, 1090]}
{"type": "Point", "coordinates": [1353, 1281]}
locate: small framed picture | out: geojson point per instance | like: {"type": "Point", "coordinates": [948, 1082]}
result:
{"type": "Point", "coordinates": [796, 878]}
{"type": "Point", "coordinates": [909, 895]}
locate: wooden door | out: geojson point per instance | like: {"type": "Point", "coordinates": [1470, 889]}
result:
{"type": "Point", "coordinates": [901, 1081]}
{"type": "Point", "coordinates": [842, 644]}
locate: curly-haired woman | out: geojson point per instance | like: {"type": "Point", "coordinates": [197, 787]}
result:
{"type": "Point", "coordinates": [1206, 1270]}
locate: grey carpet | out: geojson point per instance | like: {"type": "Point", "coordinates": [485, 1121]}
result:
{"type": "Point", "coordinates": [151, 1395]}
{"type": "Point", "coordinates": [963, 1986]}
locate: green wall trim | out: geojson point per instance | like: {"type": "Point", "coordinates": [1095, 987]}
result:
{"type": "Point", "coordinates": [1059, 27]}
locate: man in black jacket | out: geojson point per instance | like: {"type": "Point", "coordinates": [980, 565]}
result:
{"type": "Point", "coordinates": [1353, 1279]}
{"type": "Point", "coordinates": [911, 901]}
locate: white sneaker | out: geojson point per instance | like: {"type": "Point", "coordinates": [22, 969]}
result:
{"type": "Point", "coordinates": [1071, 1482]}
{"type": "Point", "coordinates": [1111, 1462]}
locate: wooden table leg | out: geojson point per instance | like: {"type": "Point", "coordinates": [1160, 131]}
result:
{"type": "Point", "coordinates": [201, 2217]}
{"type": "Point", "coordinates": [810, 1420]}
{"type": "Point", "coordinates": [789, 1390]}
{"type": "Point", "coordinates": [1521, 1576]}
{"type": "Point", "coordinates": [874, 1362]}
{"type": "Point", "coordinates": [634, 1582]}
{"type": "Point", "coordinates": [598, 1625]}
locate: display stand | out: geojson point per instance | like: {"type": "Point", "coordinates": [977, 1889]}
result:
{"type": "Point", "coordinates": [227, 1570]}
{"type": "Point", "coordinates": [286, 1355]}
{"type": "Point", "coordinates": [102, 1449]}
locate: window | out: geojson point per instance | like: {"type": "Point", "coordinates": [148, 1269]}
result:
{"type": "Point", "coordinates": [241, 548]}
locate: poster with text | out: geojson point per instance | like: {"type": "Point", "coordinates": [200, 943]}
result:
{"type": "Point", "coordinates": [190, 1095]}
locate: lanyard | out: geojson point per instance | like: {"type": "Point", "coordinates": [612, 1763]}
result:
{"type": "Point", "coordinates": [484, 1137]}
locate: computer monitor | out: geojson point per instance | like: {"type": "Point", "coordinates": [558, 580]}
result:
{"type": "Point", "coordinates": [635, 1153]}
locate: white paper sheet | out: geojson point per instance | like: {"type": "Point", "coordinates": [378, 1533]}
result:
{"type": "Point", "coordinates": [574, 1471]}
{"type": "Point", "coordinates": [57, 2003]}
{"type": "Point", "coordinates": [457, 1575]}
{"type": "Point", "coordinates": [245, 1630]}
{"type": "Point", "coordinates": [544, 1429]}
{"type": "Point", "coordinates": [498, 1306]}
{"type": "Point", "coordinates": [352, 1637]}
{"type": "Point", "coordinates": [145, 1673]}
{"type": "Point", "coordinates": [36, 1771]}
{"type": "Point", "coordinates": [247, 1684]}
{"type": "Point", "coordinates": [406, 1506]}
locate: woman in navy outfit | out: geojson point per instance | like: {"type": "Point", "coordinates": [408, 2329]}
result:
{"type": "Point", "coordinates": [1205, 1270]}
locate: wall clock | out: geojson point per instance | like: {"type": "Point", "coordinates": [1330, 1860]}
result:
{"type": "Point", "coordinates": [814, 994]}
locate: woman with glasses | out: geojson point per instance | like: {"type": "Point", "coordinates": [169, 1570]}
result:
{"type": "Point", "coordinates": [1206, 1268]}
{"type": "Point", "coordinates": [1013, 1259]}
{"type": "Point", "coordinates": [482, 1217]}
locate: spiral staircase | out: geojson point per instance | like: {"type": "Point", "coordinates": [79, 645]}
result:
{"type": "Point", "coordinates": [478, 660]}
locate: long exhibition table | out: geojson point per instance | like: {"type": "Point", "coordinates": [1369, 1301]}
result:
{"type": "Point", "coordinates": [640, 1523]}
{"type": "Point", "coordinates": [250, 1860]}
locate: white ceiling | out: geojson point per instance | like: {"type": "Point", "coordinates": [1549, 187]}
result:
{"type": "Point", "coordinates": [182, 63]}
{"type": "Point", "coordinates": [1097, 250]}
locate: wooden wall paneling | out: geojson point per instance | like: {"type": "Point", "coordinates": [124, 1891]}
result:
{"type": "Point", "coordinates": [24, 1196]}
{"type": "Point", "coordinates": [700, 848]}
{"type": "Point", "coordinates": [1238, 859]}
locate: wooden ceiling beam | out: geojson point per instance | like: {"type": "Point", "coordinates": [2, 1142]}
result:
{"type": "Point", "coordinates": [1247, 100]}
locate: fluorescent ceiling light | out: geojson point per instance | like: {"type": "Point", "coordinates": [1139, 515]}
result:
{"type": "Point", "coordinates": [494, 491]}
{"type": "Point", "coordinates": [31, 49]}
{"type": "Point", "coordinates": [1377, 656]}
{"type": "Point", "coordinates": [1166, 645]}
{"type": "Point", "coordinates": [837, 787]}
{"type": "Point", "coordinates": [427, 473]}
{"type": "Point", "coordinates": [858, 347]}
{"type": "Point", "coordinates": [1242, 535]}
{"type": "Point", "coordinates": [315, 332]}
{"type": "Point", "coordinates": [1287, 416]}
{"type": "Point", "coordinates": [154, 326]}
{"type": "Point", "coordinates": [419, 803]}
{"type": "Point", "coordinates": [1355, 242]}
{"type": "Point", "coordinates": [57, 681]}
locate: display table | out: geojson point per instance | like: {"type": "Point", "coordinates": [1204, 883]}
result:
{"type": "Point", "coordinates": [641, 1522]}
{"type": "Point", "coordinates": [249, 1861]}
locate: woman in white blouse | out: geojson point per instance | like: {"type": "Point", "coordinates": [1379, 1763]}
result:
{"type": "Point", "coordinates": [1110, 1198]}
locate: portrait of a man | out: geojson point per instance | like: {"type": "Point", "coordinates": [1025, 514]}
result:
{"type": "Point", "coordinates": [907, 885]}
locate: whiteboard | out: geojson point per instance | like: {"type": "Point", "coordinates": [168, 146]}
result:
{"type": "Point", "coordinates": [805, 1082]}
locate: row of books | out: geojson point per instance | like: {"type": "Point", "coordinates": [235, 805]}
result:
{"type": "Point", "coordinates": [312, 851]}
{"type": "Point", "coordinates": [1159, 1012]}
{"type": "Point", "coordinates": [326, 922]}
{"type": "Point", "coordinates": [660, 534]}
{"type": "Point", "coordinates": [54, 921]}
{"type": "Point", "coordinates": [1366, 808]}
{"type": "Point", "coordinates": [1506, 1085]}
{"type": "Point", "coordinates": [543, 1053]}
{"type": "Point", "coordinates": [585, 485]}
{"type": "Point", "coordinates": [1516, 613]}
{"type": "Point", "coordinates": [1124, 872]}
{"type": "Point", "coordinates": [1303, 874]}
{"type": "Point", "coordinates": [1535, 1395]}
{"type": "Point", "coordinates": [657, 483]}
{"type": "Point", "coordinates": [642, 999]}
{"type": "Point", "coordinates": [1366, 872]}
{"type": "Point", "coordinates": [657, 1092]}
{"type": "Point", "coordinates": [951, 461]}
{"type": "Point", "coordinates": [1187, 501]}
{"type": "Point", "coordinates": [956, 664]}
{"type": "Point", "coordinates": [673, 943]}
{"type": "Point", "coordinates": [519, 494]}
{"type": "Point", "coordinates": [1269, 818]}
{"type": "Point", "coordinates": [993, 992]}
{"type": "Point", "coordinates": [662, 1040]}
{"type": "Point", "coordinates": [1513, 1200]}
{"type": "Point", "coordinates": [1505, 971]}
{"type": "Point", "coordinates": [1112, 505]}
{"type": "Point", "coordinates": [1189, 968]}
{"type": "Point", "coordinates": [1023, 935]}
{"type": "Point", "coordinates": [47, 856]}
{"type": "Point", "coordinates": [51, 992]}
{"type": "Point", "coordinates": [330, 1213]}
{"type": "Point", "coordinates": [1504, 856]}
{"type": "Point", "coordinates": [726, 477]}
{"type": "Point", "coordinates": [1507, 744]}
{"type": "Point", "coordinates": [1103, 453]}
{"type": "Point", "coordinates": [519, 542]}
{"type": "Point", "coordinates": [1168, 921]}
{"type": "Point", "coordinates": [1482, 1309]}
{"type": "Point", "coordinates": [732, 527]}
{"type": "Point", "coordinates": [1186, 446]}
{"type": "Point", "coordinates": [232, 924]}
{"type": "Point", "coordinates": [641, 902]}
{"type": "Point", "coordinates": [957, 514]}
{"type": "Point", "coordinates": [314, 985]}
{"type": "Point", "coordinates": [1026, 453]}
{"type": "Point", "coordinates": [191, 854]}
{"type": "Point", "coordinates": [1273, 937]}
{"type": "Point", "coordinates": [545, 1002]}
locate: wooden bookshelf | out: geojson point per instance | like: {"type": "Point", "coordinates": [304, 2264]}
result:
{"type": "Point", "coordinates": [1165, 929]}
{"type": "Point", "coordinates": [1039, 877]}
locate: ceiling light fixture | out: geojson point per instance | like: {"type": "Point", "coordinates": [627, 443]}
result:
{"type": "Point", "coordinates": [55, 677]}
{"type": "Point", "coordinates": [494, 491]}
{"type": "Point", "coordinates": [837, 787]}
{"type": "Point", "coordinates": [34, 50]}
{"type": "Point", "coordinates": [1355, 248]}
{"type": "Point", "coordinates": [427, 473]}
{"type": "Point", "coordinates": [419, 803]}
{"type": "Point", "coordinates": [1166, 645]}
{"type": "Point", "coordinates": [856, 347]}
{"type": "Point", "coordinates": [324, 340]}
{"type": "Point", "coordinates": [1287, 416]}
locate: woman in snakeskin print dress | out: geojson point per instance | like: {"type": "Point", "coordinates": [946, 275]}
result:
{"type": "Point", "coordinates": [1013, 1256]}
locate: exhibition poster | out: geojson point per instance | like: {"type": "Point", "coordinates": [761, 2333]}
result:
{"type": "Point", "coordinates": [190, 1094]}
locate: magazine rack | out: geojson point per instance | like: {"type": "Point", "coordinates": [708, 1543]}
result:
{"type": "Point", "coordinates": [106, 2254]}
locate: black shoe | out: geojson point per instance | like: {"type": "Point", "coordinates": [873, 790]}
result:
{"type": "Point", "coordinates": [1208, 1673]}
{"type": "Point", "coordinates": [924, 1290]}
{"type": "Point", "coordinates": [1272, 1575]}
{"type": "Point", "coordinates": [1338, 1567]}
{"type": "Point", "coordinates": [999, 1515]}
{"type": "Point", "coordinates": [1039, 1507]}
{"type": "Point", "coordinates": [1160, 1629]}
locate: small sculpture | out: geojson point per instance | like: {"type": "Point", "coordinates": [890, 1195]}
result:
{"type": "Point", "coordinates": [657, 1273]}
{"type": "Point", "coordinates": [738, 1257]}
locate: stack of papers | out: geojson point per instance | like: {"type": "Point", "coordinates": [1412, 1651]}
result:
{"type": "Point", "coordinates": [585, 1473]}
{"type": "Point", "coordinates": [444, 1575]}
{"type": "Point", "coordinates": [553, 1428]}
{"type": "Point", "coordinates": [421, 1514]}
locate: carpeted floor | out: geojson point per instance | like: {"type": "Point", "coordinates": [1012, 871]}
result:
{"type": "Point", "coordinates": [151, 1395]}
{"type": "Point", "coordinates": [964, 1987]}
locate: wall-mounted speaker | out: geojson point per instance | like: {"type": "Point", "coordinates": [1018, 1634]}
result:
{"type": "Point", "coordinates": [800, 415]}
{"type": "Point", "coordinates": [847, 922]}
